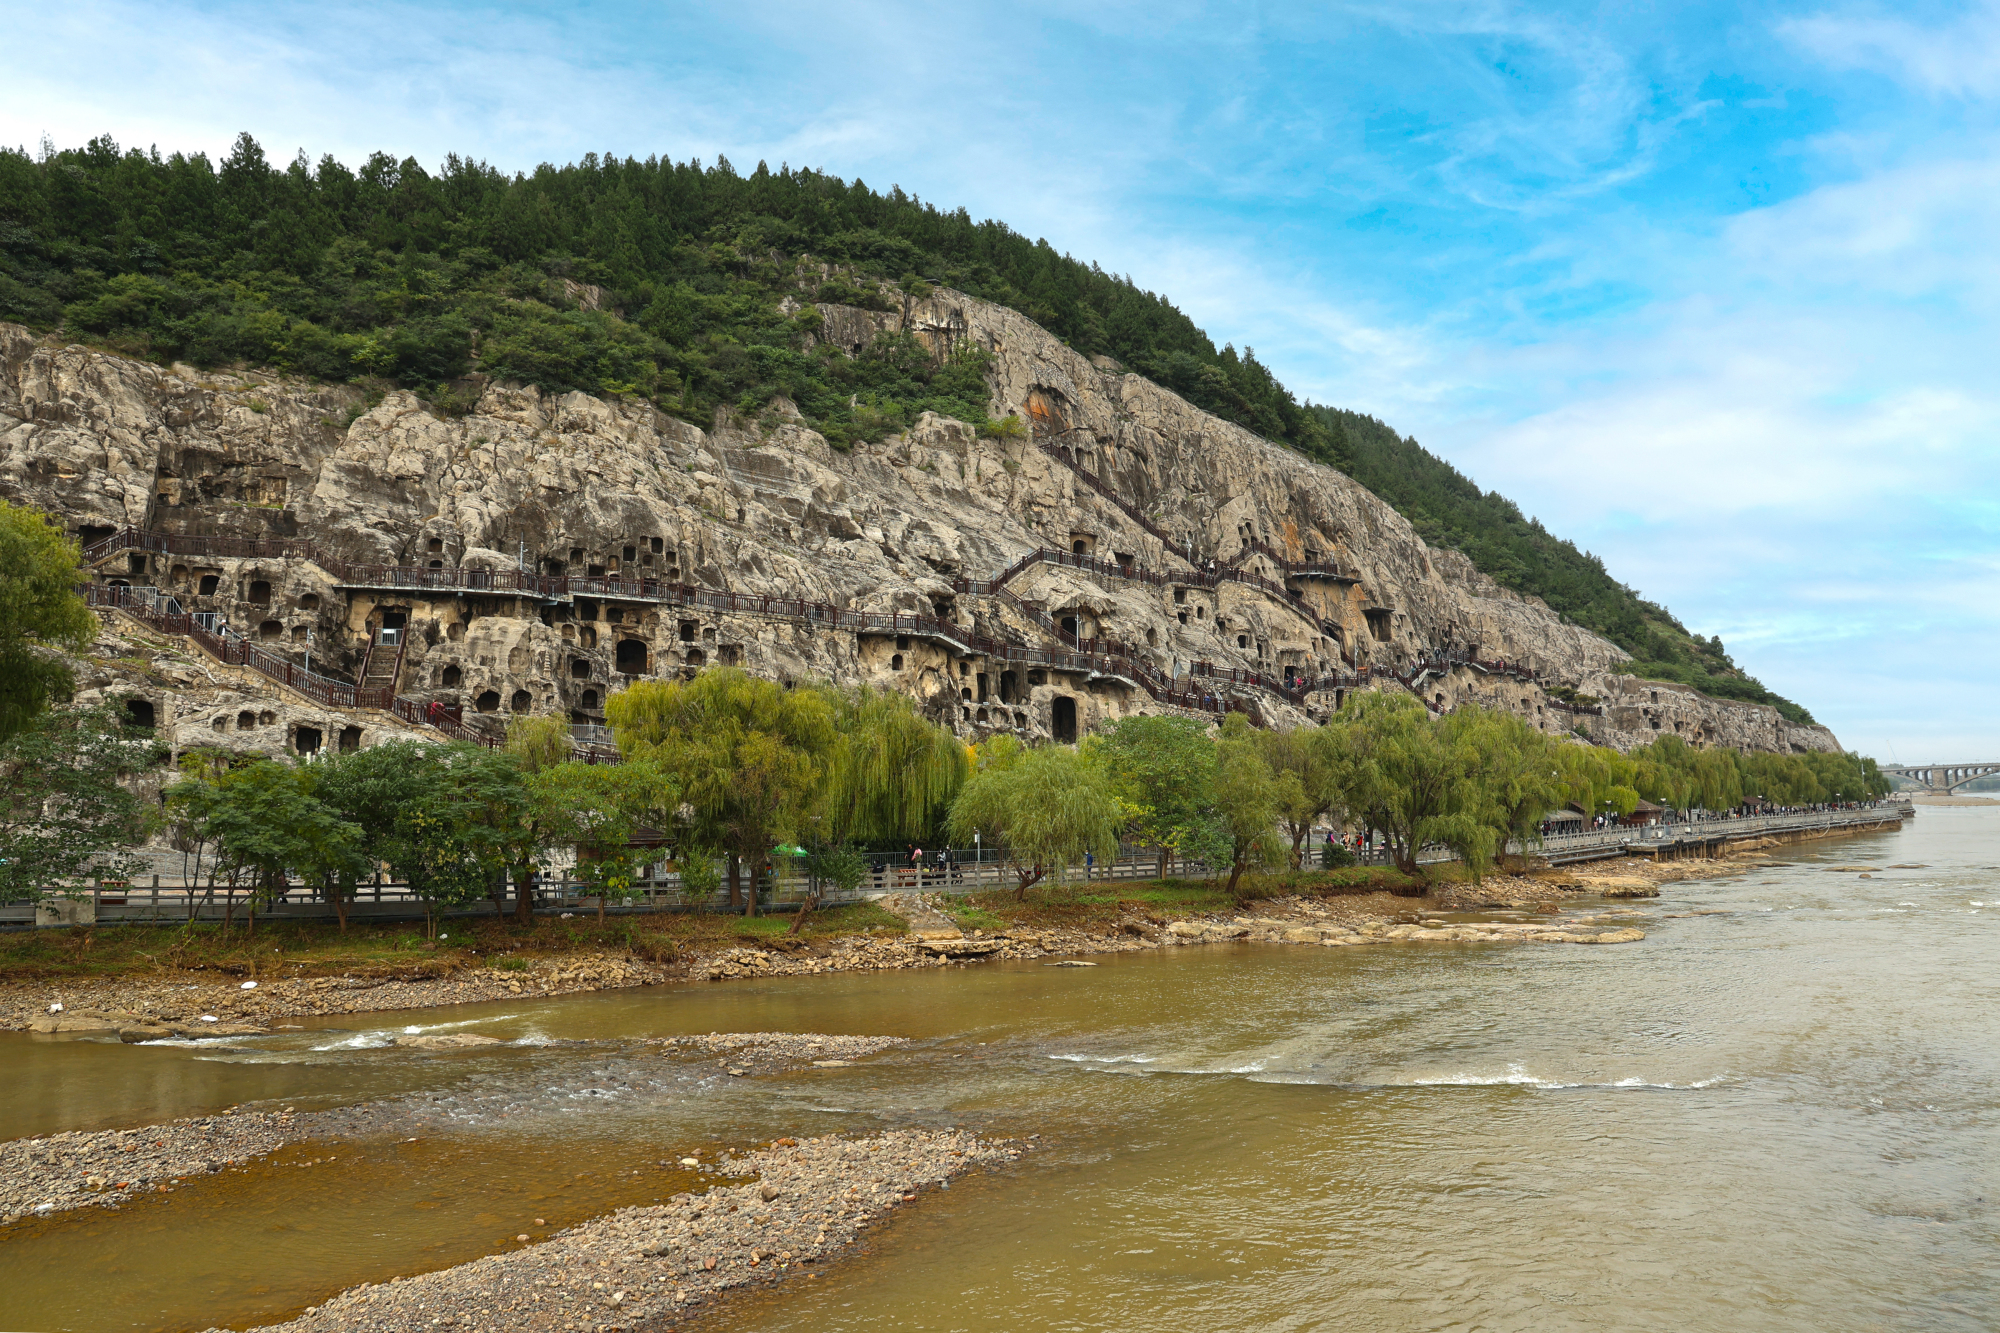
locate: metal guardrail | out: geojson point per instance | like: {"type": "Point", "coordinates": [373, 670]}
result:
{"type": "Point", "coordinates": [1619, 837]}
{"type": "Point", "coordinates": [173, 903]}
{"type": "Point", "coordinates": [966, 872]}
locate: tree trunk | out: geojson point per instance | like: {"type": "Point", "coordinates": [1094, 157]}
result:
{"type": "Point", "coordinates": [1403, 851]}
{"type": "Point", "coordinates": [757, 860]}
{"type": "Point", "coordinates": [1235, 874]}
{"type": "Point", "coordinates": [1163, 864]}
{"type": "Point", "coordinates": [524, 896]}
{"type": "Point", "coordinates": [735, 880]}
{"type": "Point", "coordinates": [1028, 875]}
{"type": "Point", "coordinates": [807, 907]}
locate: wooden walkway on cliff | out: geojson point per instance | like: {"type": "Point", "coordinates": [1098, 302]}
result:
{"type": "Point", "coordinates": [1094, 658]}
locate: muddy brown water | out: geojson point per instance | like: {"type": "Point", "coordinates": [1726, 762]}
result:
{"type": "Point", "coordinates": [1785, 1117]}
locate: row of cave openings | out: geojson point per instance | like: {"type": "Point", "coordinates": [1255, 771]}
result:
{"type": "Point", "coordinates": [144, 714]}
{"type": "Point", "coordinates": [643, 553]}
{"type": "Point", "coordinates": [995, 698]}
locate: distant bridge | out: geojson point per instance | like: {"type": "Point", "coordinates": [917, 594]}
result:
{"type": "Point", "coordinates": [1941, 779]}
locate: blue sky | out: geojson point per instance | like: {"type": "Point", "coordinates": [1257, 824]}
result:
{"type": "Point", "coordinates": [1710, 289]}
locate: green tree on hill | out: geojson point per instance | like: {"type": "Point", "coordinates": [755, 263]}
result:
{"type": "Point", "coordinates": [40, 611]}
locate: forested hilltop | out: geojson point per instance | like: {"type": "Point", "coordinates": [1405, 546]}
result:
{"type": "Point", "coordinates": [665, 280]}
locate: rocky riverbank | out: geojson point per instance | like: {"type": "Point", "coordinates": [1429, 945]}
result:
{"type": "Point", "coordinates": [190, 1003]}
{"type": "Point", "coordinates": [641, 1268]}
{"type": "Point", "coordinates": [150, 1007]}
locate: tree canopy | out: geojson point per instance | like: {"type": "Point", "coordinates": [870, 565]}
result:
{"type": "Point", "coordinates": [39, 611]}
{"type": "Point", "coordinates": [66, 809]}
{"type": "Point", "coordinates": [1050, 806]}
{"type": "Point", "coordinates": [612, 275]}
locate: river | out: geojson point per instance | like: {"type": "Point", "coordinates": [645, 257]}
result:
{"type": "Point", "coordinates": [1779, 1111]}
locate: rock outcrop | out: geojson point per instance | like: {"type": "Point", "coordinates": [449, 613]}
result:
{"type": "Point", "coordinates": [1215, 563]}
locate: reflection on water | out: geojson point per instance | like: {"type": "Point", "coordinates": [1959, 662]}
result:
{"type": "Point", "coordinates": [1780, 1113]}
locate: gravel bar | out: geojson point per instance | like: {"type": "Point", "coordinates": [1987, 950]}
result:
{"type": "Point", "coordinates": [642, 1269]}
{"type": "Point", "coordinates": [768, 1052]}
{"type": "Point", "coordinates": [110, 1168]}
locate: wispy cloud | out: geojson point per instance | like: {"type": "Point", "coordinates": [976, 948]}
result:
{"type": "Point", "coordinates": [1959, 58]}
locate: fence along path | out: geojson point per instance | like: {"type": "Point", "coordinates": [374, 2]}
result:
{"type": "Point", "coordinates": [182, 899]}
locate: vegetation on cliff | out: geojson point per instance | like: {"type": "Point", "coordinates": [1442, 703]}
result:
{"type": "Point", "coordinates": [670, 281]}
{"type": "Point", "coordinates": [40, 615]}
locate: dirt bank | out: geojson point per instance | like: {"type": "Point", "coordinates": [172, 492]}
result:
{"type": "Point", "coordinates": [953, 931]}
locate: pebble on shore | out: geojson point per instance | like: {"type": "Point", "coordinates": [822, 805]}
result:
{"type": "Point", "coordinates": [79, 1169]}
{"type": "Point", "coordinates": [640, 1267]}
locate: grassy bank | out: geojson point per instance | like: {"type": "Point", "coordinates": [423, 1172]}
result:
{"type": "Point", "coordinates": [314, 948]}
{"type": "Point", "coordinates": [399, 949]}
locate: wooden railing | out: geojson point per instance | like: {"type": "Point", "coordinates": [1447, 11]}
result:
{"type": "Point", "coordinates": [453, 578]}
{"type": "Point", "coordinates": [1099, 656]}
{"type": "Point", "coordinates": [165, 615]}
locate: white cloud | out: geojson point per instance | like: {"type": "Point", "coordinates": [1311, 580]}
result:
{"type": "Point", "coordinates": [1957, 59]}
{"type": "Point", "coordinates": [1905, 230]}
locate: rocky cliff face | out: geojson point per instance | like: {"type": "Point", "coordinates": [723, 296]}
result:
{"type": "Point", "coordinates": [1152, 491]}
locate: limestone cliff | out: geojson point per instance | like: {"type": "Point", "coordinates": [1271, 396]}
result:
{"type": "Point", "coordinates": [1201, 565]}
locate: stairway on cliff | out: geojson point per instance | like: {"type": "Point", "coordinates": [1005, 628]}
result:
{"type": "Point", "coordinates": [384, 662]}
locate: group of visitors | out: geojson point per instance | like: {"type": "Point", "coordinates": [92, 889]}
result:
{"type": "Point", "coordinates": [938, 867]}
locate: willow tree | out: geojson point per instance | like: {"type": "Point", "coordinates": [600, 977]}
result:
{"type": "Point", "coordinates": [1599, 780]}
{"type": "Point", "coordinates": [539, 742]}
{"type": "Point", "coordinates": [39, 612]}
{"type": "Point", "coordinates": [1517, 776]}
{"type": "Point", "coordinates": [1248, 798]}
{"type": "Point", "coordinates": [893, 774]}
{"type": "Point", "coordinates": [749, 758]}
{"type": "Point", "coordinates": [1410, 781]}
{"type": "Point", "coordinates": [892, 777]}
{"type": "Point", "coordinates": [1050, 806]}
{"type": "Point", "coordinates": [1311, 766]}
